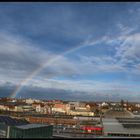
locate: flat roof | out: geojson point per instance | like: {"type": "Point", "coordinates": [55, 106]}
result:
{"type": "Point", "coordinates": [28, 126]}
{"type": "Point", "coordinates": [113, 126]}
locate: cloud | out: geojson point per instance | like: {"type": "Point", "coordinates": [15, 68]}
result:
{"type": "Point", "coordinates": [20, 57]}
{"type": "Point", "coordinates": [98, 93]}
{"type": "Point", "coordinates": [129, 52]}
{"type": "Point", "coordinates": [88, 86]}
{"type": "Point", "coordinates": [25, 48]}
{"type": "Point", "coordinates": [101, 64]}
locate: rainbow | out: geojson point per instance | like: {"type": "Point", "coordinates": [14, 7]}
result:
{"type": "Point", "coordinates": [48, 63]}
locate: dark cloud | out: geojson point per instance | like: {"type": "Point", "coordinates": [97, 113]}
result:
{"type": "Point", "coordinates": [53, 93]}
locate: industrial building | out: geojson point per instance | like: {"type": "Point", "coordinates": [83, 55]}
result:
{"type": "Point", "coordinates": [6, 122]}
{"type": "Point", "coordinates": [31, 131]}
{"type": "Point", "coordinates": [119, 122]}
{"type": "Point", "coordinates": [121, 127]}
{"type": "Point", "coordinates": [17, 128]}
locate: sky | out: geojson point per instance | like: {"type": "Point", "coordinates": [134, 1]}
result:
{"type": "Point", "coordinates": [76, 50]}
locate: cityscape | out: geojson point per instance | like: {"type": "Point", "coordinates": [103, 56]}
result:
{"type": "Point", "coordinates": [69, 70]}
{"type": "Point", "coordinates": [33, 118]}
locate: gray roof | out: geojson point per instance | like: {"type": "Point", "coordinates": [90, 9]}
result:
{"type": "Point", "coordinates": [112, 125]}
{"type": "Point", "coordinates": [29, 126]}
{"type": "Point", "coordinates": [12, 121]}
{"type": "Point", "coordinates": [118, 114]}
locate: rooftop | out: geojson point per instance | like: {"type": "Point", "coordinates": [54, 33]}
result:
{"type": "Point", "coordinates": [12, 121]}
{"type": "Point", "coordinates": [112, 125]}
{"type": "Point", "coordinates": [133, 123]}
{"type": "Point", "coordinates": [118, 114]}
{"type": "Point", "coordinates": [29, 126]}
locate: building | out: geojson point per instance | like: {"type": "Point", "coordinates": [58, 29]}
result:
{"type": "Point", "coordinates": [41, 107]}
{"type": "Point", "coordinates": [73, 104]}
{"type": "Point", "coordinates": [15, 106]}
{"type": "Point", "coordinates": [61, 108]}
{"type": "Point", "coordinates": [31, 131]}
{"type": "Point", "coordinates": [118, 111]}
{"type": "Point", "coordinates": [119, 122]}
{"type": "Point", "coordinates": [23, 107]}
{"type": "Point", "coordinates": [91, 106]}
{"type": "Point", "coordinates": [121, 127]}
{"type": "Point", "coordinates": [18, 128]}
{"type": "Point", "coordinates": [81, 112]}
{"type": "Point", "coordinates": [83, 109]}
{"type": "Point", "coordinates": [6, 122]}
{"type": "Point", "coordinates": [29, 101]}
